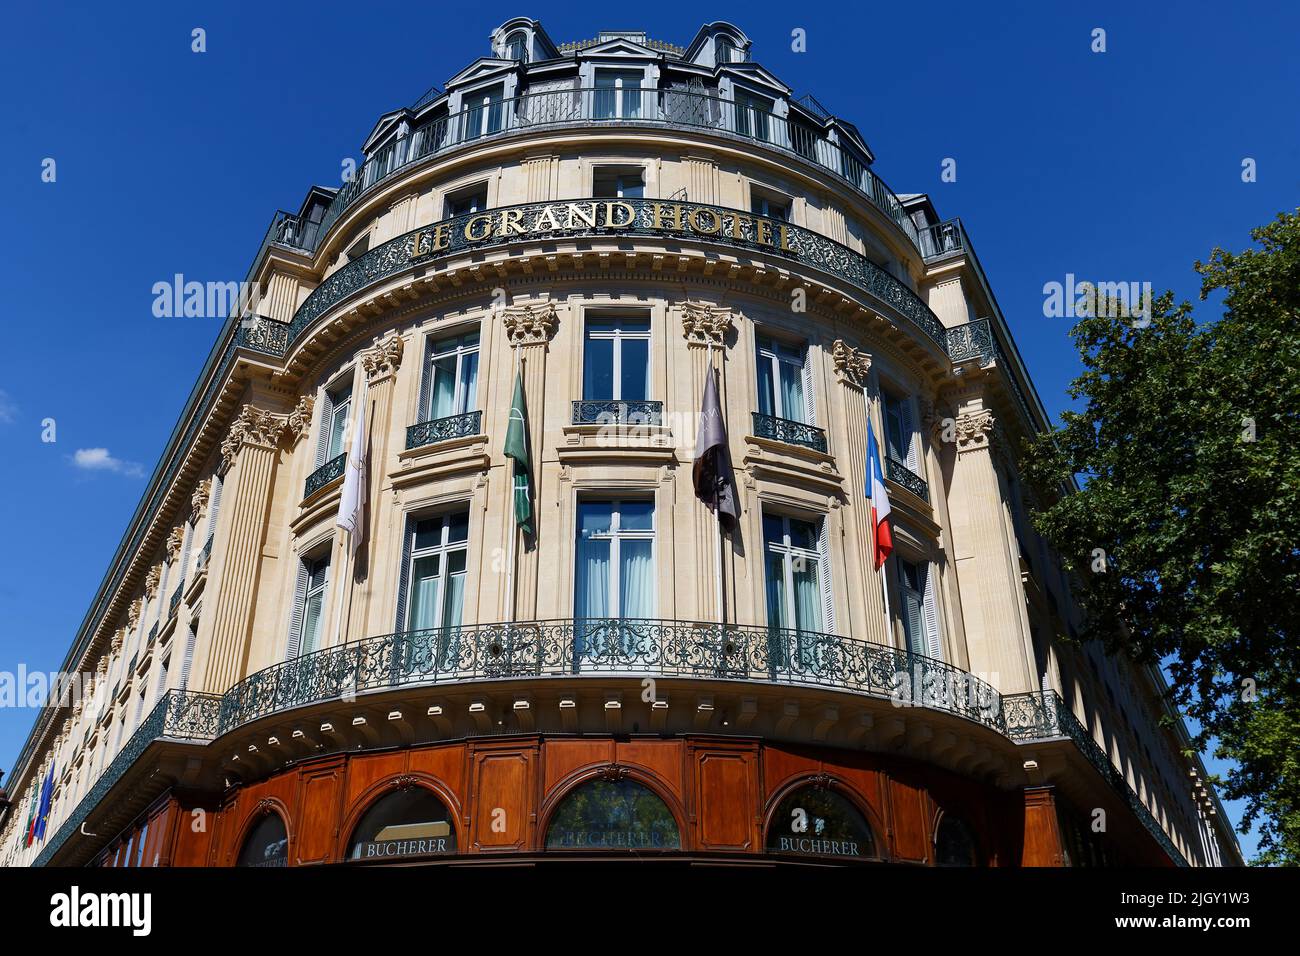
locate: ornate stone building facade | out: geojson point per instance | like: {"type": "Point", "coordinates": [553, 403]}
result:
{"type": "Point", "coordinates": [607, 222]}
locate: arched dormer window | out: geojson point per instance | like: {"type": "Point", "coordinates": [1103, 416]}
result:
{"type": "Point", "coordinates": [725, 51]}
{"type": "Point", "coordinates": [517, 46]}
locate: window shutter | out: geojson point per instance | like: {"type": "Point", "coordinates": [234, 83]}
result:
{"type": "Point", "coordinates": [932, 636]}
{"type": "Point", "coordinates": [322, 440]}
{"type": "Point", "coordinates": [426, 383]}
{"type": "Point", "coordinates": [809, 400]}
{"type": "Point", "coordinates": [911, 611]}
{"type": "Point", "coordinates": [299, 606]}
{"type": "Point", "coordinates": [162, 681]}
{"type": "Point", "coordinates": [824, 575]}
{"type": "Point", "coordinates": [913, 462]}
{"type": "Point", "coordinates": [185, 552]}
{"type": "Point", "coordinates": [214, 506]}
{"type": "Point", "coordinates": [188, 658]}
{"type": "Point", "coordinates": [403, 580]}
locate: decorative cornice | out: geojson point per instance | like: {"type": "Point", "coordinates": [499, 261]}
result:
{"type": "Point", "coordinates": [530, 324]}
{"type": "Point", "coordinates": [384, 359]}
{"type": "Point", "coordinates": [705, 325]}
{"type": "Point", "coordinates": [252, 426]}
{"type": "Point", "coordinates": [974, 430]}
{"type": "Point", "coordinates": [851, 365]}
{"type": "Point", "coordinates": [299, 423]}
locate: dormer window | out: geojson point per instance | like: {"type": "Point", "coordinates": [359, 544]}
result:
{"type": "Point", "coordinates": [517, 47]}
{"type": "Point", "coordinates": [618, 94]}
{"type": "Point", "coordinates": [725, 51]}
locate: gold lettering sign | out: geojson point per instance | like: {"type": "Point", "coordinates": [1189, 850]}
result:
{"type": "Point", "coordinates": [594, 215]}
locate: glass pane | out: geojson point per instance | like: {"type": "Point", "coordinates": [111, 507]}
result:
{"type": "Point", "coordinates": [338, 425]}
{"type": "Point", "coordinates": [468, 399]}
{"type": "Point", "coordinates": [598, 370]}
{"type": "Point", "coordinates": [807, 594]}
{"type": "Point", "coordinates": [424, 593]}
{"type": "Point", "coordinates": [458, 526]}
{"type": "Point", "coordinates": [631, 187]}
{"type": "Point", "coordinates": [773, 530]}
{"type": "Point", "coordinates": [428, 533]}
{"type": "Point", "coordinates": [612, 815]}
{"type": "Point", "coordinates": [636, 579]}
{"type": "Point", "coordinates": [636, 515]}
{"type": "Point", "coordinates": [766, 389]}
{"type": "Point", "coordinates": [317, 573]}
{"type": "Point", "coordinates": [454, 602]}
{"type": "Point", "coordinates": [792, 392]}
{"type": "Point", "coordinates": [442, 400]}
{"type": "Point", "coordinates": [594, 517]}
{"type": "Point", "coordinates": [636, 362]}
{"type": "Point", "coordinates": [803, 534]}
{"type": "Point", "coordinates": [311, 624]}
{"type": "Point", "coordinates": [816, 821]}
{"type": "Point", "coordinates": [776, 597]}
{"type": "Point", "coordinates": [592, 593]}
{"type": "Point", "coordinates": [456, 562]}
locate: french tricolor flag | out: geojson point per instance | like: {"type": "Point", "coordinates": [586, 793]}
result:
{"type": "Point", "coordinates": [875, 490]}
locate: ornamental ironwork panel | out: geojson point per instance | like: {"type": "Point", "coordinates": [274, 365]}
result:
{"type": "Point", "coordinates": [443, 429]}
{"type": "Point", "coordinates": [261, 334]}
{"type": "Point", "coordinates": [179, 715]}
{"type": "Point", "coordinates": [326, 473]}
{"type": "Point", "coordinates": [617, 412]}
{"type": "Point", "coordinates": [790, 432]}
{"type": "Point", "coordinates": [899, 473]}
{"type": "Point", "coordinates": [973, 340]}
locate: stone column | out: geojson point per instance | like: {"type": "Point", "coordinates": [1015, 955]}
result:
{"type": "Point", "coordinates": [530, 328]}
{"type": "Point", "coordinates": [380, 364]}
{"type": "Point", "coordinates": [249, 455]}
{"type": "Point", "coordinates": [706, 328]}
{"type": "Point", "coordinates": [991, 592]}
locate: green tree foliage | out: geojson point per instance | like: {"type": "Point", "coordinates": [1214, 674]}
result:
{"type": "Point", "coordinates": [1186, 446]}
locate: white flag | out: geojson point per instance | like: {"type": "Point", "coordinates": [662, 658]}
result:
{"type": "Point", "coordinates": [352, 500]}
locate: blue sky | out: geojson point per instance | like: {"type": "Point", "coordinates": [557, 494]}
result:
{"type": "Point", "coordinates": [1122, 166]}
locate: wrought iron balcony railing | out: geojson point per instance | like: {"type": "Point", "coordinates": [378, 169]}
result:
{"type": "Point", "coordinates": [443, 429]}
{"type": "Point", "coordinates": [323, 475]}
{"type": "Point", "coordinates": [179, 715]}
{"type": "Point", "coordinates": [600, 106]}
{"type": "Point", "coordinates": [790, 432]}
{"type": "Point", "coordinates": [617, 412]}
{"type": "Point", "coordinates": [942, 239]}
{"type": "Point", "coordinates": [899, 473]}
{"type": "Point", "coordinates": [570, 647]}
{"type": "Point", "coordinates": [1042, 715]}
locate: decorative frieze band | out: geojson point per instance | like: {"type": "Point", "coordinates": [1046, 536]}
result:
{"type": "Point", "coordinates": [530, 324]}
{"type": "Point", "coordinates": [852, 366]}
{"type": "Point", "coordinates": [705, 325]}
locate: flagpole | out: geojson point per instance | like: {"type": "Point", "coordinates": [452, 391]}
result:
{"type": "Point", "coordinates": [884, 580]}
{"type": "Point", "coordinates": [717, 517]}
{"type": "Point", "coordinates": [514, 524]}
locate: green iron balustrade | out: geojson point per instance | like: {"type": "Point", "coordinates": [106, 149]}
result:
{"type": "Point", "coordinates": [326, 473]}
{"type": "Point", "coordinates": [604, 106]}
{"type": "Point", "coordinates": [444, 429]}
{"type": "Point", "coordinates": [562, 648]}
{"type": "Point", "coordinates": [1042, 715]}
{"type": "Point", "coordinates": [790, 432]}
{"type": "Point", "coordinates": [178, 715]}
{"type": "Point", "coordinates": [617, 412]}
{"type": "Point", "coordinates": [899, 473]}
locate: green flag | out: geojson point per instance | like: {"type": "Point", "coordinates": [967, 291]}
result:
{"type": "Point", "coordinates": [517, 449]}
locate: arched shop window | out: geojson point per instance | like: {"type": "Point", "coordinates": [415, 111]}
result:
{"type": "Point", "coordinates": [817, 821]}
{"type": "Point", "coordinates": [407, 823]}
{"type": "Point", "coordinates": [954, 844]}
{"type": "Point", "coordinates": [613, 815]}
{"type": "Point", "coordinates": [267, 844]}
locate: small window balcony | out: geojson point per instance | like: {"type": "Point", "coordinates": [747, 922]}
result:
{"type": "Point", "coordinates": [444, 429]}
{"type": "Point", "coordinates": [326, 473]}
{"type": "Point", "coordinates": [617, 412]}
{"type": "Point", "coordinates": [790, 432]}
{"type": "Point", "coordinates": [900, 474]}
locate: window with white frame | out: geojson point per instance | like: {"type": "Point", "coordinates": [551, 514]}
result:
{"type": "Point", "coordinates": [307, 627]}
{"type": "Point", "coordinates": [916, 586]}
{"type": "Point", "coordinates": [616, 359]}
{"type": "Point", "coordinates": [769, 204]}
{"type": "Point", "coordinates": [618, 182]}
{"type": "Point", "coordinates": [796, 572]}
{"type": "Point", "coordinates": [753, 115]}
{"type": "Point", "coordinates": [517, 47]}
{"type": "Point", "coordinates": [450, 384]}
{"type": "Point", "coordinates": [618, 94]}
{"type": "Point", "coordinates": [784, 387]}
{"type": "Point", "coordinates": [483, 111]}
{"type": "Point", "coordinates": [434, 561]}
{"type": "Point", "coordinates": [615, 575]}
{"type": "Point", "coordinates": [471, 199]}
{"type": "Point", "coordinates": [725, 51]}
{"type": "Point", "coordinates": [900, 431]}
{"type": "Point", "coordinates": [334, 423]}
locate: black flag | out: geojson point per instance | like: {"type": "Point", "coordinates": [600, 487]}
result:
{"type": "Point", "coordinates": [714, 483]}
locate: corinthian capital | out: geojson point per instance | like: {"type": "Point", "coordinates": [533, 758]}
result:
{"type": "Point", "coordinates": [530, 324]}
{"type": "Point", "coordinates": [705, 325]}
{"type": "Point", "coordinates": [252, 426]}
{"type": "Point", "coordinates": [151, 580]}
{"type": "Point", "coordinates": [851, 365]}
{"type": "Point", "coordinates": [974, 430]}
{"type": "Point", "coordinates": [383, 359]}
{"type": "Point", "coordinates": [199, 500]}
{"type": "Point", "coordinates": [299, 423]}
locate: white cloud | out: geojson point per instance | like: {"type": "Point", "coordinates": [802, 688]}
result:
{"type": "Point", "coordinates": [8, 410]}
{"type": "Point", "coordinates": [98, 459]}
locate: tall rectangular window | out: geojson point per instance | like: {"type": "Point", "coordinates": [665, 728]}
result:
{"type": "Point", "coordinates": [772, 208]}
{"type": "Point", "coordinates": [451, 378]}
{"type": "Point", "coordinates": [783, 387]}
{"type": "Point", "coordinates": [437, 552]}
{"type": "Point", "coordinates": [334, 423]}
{"type": "Point", "coordinates": [792, 556]}
{"type": "Point", "coordinates": [483, 112]}
{"type": "Point", "coordinates": [616, 360]}
{"type": "Point", "coordinates": [467, 201]}
{"type": "Point", "coordinates": [899, 431]}
{"type": "Point", "coordinates": [753, 115]}
{"type": "Point", "coordinates": [307, 628]}
{"type": "Point", "coordinates": [618, 94]}
{"type": "Point", "coordinates": [917, 608]}
{"type": "Point", "coordinates": [615, 573]}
